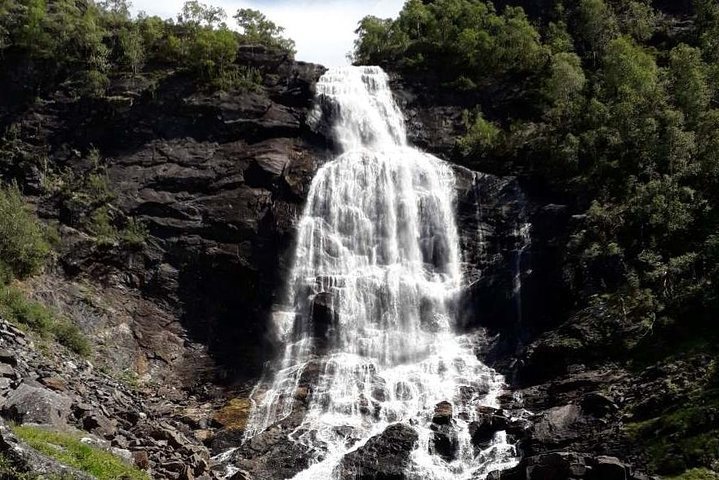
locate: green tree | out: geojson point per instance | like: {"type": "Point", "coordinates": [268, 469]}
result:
{"type": "Point", "coordinates": [639, 20]}
{"type": "Point", "coordinates": [257, 28]}
{"type": "Point", "coordinates": [23, 244]}
{"type": "Point", "coordinates": [566, 81]}
{"type": "Point", "coordinates": [133, 51]}
{"type": "Point", "coordinates": [630, 73]}
{"type": "Point", "coordinates": [597, 25]}
{"type": "Point", "coordinates": [374, 40]}
{"type": "Point", "coordinates": [213, 51]}
{"type": "Point", "coordinates": [197, 14]}
{"type": "Point", "coordinates": [688, 81]}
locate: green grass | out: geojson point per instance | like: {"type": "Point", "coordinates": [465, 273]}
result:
{"type": "Point", "coordinates": [697, 474]}
{"type": "Point", "coordinates": [16, 308]}
{"type": "Point", "coordinates": [69, 450]}
{"type": "Point", "coordinates": [682, 438]}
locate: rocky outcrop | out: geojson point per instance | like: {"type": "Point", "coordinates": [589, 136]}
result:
{"type": "Point", "coordinates": [384, 457]}
{"type": "Point", "coordinates": [218, 180]}
{"type": "Point", "coordinates": [24, 460]}
{"type": "Point", "coordinates": [566, 466]}
{"type": "Point", "coordinates": [67, 394]}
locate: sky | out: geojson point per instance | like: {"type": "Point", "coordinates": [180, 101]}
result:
{"type": "Point", "coordinates": [322, 29]}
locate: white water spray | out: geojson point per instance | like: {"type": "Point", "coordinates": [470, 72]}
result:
{"type": "Point", "coordinates": [371, 299]}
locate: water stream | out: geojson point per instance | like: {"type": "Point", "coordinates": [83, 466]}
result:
{"type": "Point", "coordinates": [371, 300]}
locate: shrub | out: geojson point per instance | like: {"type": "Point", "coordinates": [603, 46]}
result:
{"type": "Point", "coordinates": [134, 234]}
{"type": "Point", "coordinates": [23, 243]}
{"type": "Point", "coordinates": [69, 335]}
{"type": "Point", "coordinates": [17, 309]}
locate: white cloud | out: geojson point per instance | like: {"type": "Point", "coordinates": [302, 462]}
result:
{"type": "Point", "coordinates": [323, 30]}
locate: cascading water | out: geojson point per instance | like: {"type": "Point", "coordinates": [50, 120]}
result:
{"type": "Point", "coordinates": [370, 309]}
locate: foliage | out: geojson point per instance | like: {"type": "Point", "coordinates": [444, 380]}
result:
{"type": "Point", "coordinates": [23, 242]}
{"type": "Point", "coordinates": [16, 308]}
{"type": "Point", "coordinates": [257, 29]}
{"type": "Point", "coordinates": [465, 40]}
{"type": "Point", "coordinates": [69, 450]}
{"type": "Point", "coordinates": [83, 45]}
{"type": "Point", "coordinates": [697, 474]}
{"type": "Point", "coordinates": [682, 438]}
{"type": "Point", "coordinates": [608, 110]}
{"type": "Point", "coordinates": [481, 135]}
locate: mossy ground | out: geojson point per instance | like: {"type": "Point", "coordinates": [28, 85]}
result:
{"type": "Point", "coordinates": [234, 415]}
{"type": "Point", "coordinates": [684, 439]}
{"type": "Point", "coordinates": [69, 450]}
{"type": "Point", "coordinates": [697, 474]}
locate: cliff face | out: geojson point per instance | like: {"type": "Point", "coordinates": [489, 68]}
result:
{"type": "Point", "coordinates": [216, 178]}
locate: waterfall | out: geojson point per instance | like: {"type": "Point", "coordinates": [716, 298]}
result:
{"type": "Point", "coordinates": [368, 322]}
{"type": "Point", "coordinates": [523, 241]}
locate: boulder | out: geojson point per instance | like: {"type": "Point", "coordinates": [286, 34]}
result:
{"type": "Point", "coordinates": [442, 413]}
{"type": "Point", "coordinates": [608, 468]}
{"type": "Point", "coordinates": [567, 466]}
{"type": "Point", "coordinates": [8, 357]}
{"type": "Point", "coordinates": [29, 404]}
{"type": "Point", "coordinates": [598, 404]}
{"type": "Point", "coordinates": [444, 441]}
{"type": "Point", "coordinates": [6, 371]}
{"type": "Point", "coordinates": [271, 454]}
{"type": "Point", "coordinates": [488, 423]}
{"type": "Point", "coordinates": [99, 425]}
{"type": "Point", "coordinates": [384, 457]}
{"type": "Point", "coordinates": [557, 426]}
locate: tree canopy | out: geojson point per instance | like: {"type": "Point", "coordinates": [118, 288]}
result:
{"type": "Point", "coordinates": [87, 42]}
{"type": "Point", "coordinates": [610, 108]}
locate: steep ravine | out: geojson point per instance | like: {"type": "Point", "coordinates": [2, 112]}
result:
{"type": "Point", "coordinates": [180, 325]}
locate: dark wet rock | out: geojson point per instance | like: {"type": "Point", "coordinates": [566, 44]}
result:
{"type": "Point", "coordinates": [31, 404]}
{"type": "Point", "coordinates": [483, 429]}
{"type": "Point", "coordinates": [272, 454]}
{"type": "Point", "coordinates": [444, 441]}
{"type": "Point", "coordinates": [324, 314]}
{"type": "Point", "coordinates": [568, 466]}
{"type": "Point", "coordinates": [598, 404]}
{"type": "Point", "coordinates": [8, 357]}
{"type": "Point", "coordinates": [442, 413]}
{"type": "Point", "coordinates": [384, 457]}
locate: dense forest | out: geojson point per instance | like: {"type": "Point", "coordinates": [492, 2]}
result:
{"type": "Point", "coordinates": [80, 44]}
{"type": "Point", "coordinates": [611, 106]}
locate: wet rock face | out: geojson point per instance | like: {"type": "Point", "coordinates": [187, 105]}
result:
{"type": "Point", "coordinates": [444, 441]}
{"type": "Point", "coordinates": [217, 178]}
{"type": "Point", "coordinates": [384, 457]}
{"type": "Point", "coordinates": [567, 466]}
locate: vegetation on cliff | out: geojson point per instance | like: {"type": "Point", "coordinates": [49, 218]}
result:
{"type": "Point", "coordinates": [70, 450]}
{"type": "Point", "coordinates": [81, 44]}
{"type": "Point", "coordinates": [619, 118]}
{"type": "Point", "coordinates": [610, 107]}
